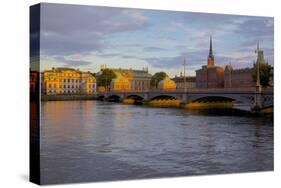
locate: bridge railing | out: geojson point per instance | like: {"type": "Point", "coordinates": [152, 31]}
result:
{"type": "Point", "coordinates": [193, 90]}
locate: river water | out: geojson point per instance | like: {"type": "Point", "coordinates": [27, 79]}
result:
{"type": "Point", "coordinates": [84, 141]}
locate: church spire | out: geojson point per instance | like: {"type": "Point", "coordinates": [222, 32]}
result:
{"type": "Point", "coordinates": [211, 59]}
{"type": "Point", "coordinates": [211, 47]}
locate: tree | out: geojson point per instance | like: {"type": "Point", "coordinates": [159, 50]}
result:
{"type": "Point", "coordinates": [156, 78]}
{"type": "Point", "coordinates": [105, 78]}
{"type": "Point", "coordinates": [266, 73]}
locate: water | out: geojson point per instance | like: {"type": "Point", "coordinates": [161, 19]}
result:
{"type": "Point", "coordinates": [99, 141]}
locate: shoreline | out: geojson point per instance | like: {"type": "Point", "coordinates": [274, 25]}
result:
{"type": "Point", "coordinates": [67, 97]}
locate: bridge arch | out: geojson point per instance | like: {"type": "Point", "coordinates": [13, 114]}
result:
{"type": "Point", "coordinates": [163, 97]}
{"type": "Point", "coordinates": [135, 97]}
{"type": "Point", "coordinates": [114, 98]}
{"type": "Point", "coordinates": [100, 97]}
{"type": "Point", "coordinates": [212, 99]}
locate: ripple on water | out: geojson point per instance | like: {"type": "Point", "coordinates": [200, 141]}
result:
{"type": "Point", "coordinates": [107, 141]}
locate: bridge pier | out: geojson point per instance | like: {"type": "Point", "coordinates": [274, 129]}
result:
{"type": "Point", "coordinates": [184, 97]}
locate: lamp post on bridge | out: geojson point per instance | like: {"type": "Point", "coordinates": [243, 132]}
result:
{"type": "Point", "coordinates": [258, 84]}
{"type": "Point", "coordinates": [184, 97]}
{"type": "Point", "coordinates": [184, 77]}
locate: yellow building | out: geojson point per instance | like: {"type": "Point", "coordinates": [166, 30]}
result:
{"type": "Point", "coordinates": [67, 81]}
{"type": "Point", "coordinates": [120, 84]}
{"type": "Point", "coordinates": [167, 84]}
{"type": "Point", "coordinates": [130, 79]}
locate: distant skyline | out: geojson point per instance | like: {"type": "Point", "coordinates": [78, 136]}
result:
{"type": "Point", "coordinates": [87, 37]}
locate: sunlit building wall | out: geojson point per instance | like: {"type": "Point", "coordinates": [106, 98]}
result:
{"type": "Point", "coordinates": [130, 79]}
{"type": "Point", "coordinates": [67, 81]}
{"type": "Point", "coordinates": [167, 84]}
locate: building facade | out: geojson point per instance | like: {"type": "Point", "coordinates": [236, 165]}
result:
{"type": "Point", "coordinates": [167, 84]}
{"type": "Point", "coordinates": [238, 78]}
{"type": "Point", "coordinates": [67, 81]}
{"type": "Point", "coordinates": [129, 79]}
{"type": "Point", "coordinates": [210, 76]}
{"type": "Point", "coordinates": [243, 78]}
{"type": "Point", "coordinates": [188, 82]}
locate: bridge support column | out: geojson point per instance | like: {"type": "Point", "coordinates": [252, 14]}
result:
{"type": "Point", "coordinates": [258, 102]}
{"type": "Point", "coordinates": [184, 98]}
{"type": "Point", "coordinates": [145, 96]}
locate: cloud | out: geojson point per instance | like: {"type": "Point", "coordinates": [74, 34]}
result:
{"type": "Point", "coordinates": [76, 63]}
{"type": "Point", "coordinates": [112, 34]}
{"type": "Point", "coordinates": [70, 29]}
{"type": "Point", "coordinates": [257, 27]}
{"type": "Point", "coordinates": [69, 61]}
{"type": "Point", "coordinates": [193, 59]}
{"type": "Point", "coordinates": [153, 49]}
{"type": "Point", "coordinates": [111, 55]}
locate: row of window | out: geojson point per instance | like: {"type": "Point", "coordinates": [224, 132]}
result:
{"type": "Point", "coordinates": [63, 74]}
{"type": "Point", "coordinates": [69, 80]}
{"type": "Point", "coordinates": [67, 91]}
{"type": "Point", "coordinates": [71, 86]}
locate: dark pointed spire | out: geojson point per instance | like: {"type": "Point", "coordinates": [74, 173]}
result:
{"type": "Point", "coordinates": [211, 47]}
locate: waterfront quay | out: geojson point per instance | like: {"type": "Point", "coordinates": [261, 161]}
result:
{"type": "Point", "coordinates": [65, 97]}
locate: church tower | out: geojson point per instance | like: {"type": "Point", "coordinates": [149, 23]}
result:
{"type": "Point", "coordinates": [211, 59]}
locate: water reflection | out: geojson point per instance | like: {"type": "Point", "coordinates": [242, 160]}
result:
{"type": "Point", "coordinates": [98, 141]}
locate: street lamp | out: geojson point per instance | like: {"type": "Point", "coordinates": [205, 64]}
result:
{"type": "Point", "coordinates": [258, 99]}
{"type": "Point", "coordinates": [184, 77]}
{"type": "Point", "coordinates": [258, 83]}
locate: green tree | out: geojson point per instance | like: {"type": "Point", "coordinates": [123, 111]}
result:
{"type": "Point", "coordinates": [156, 78]}
{"type": "Point", "coordinates": [266, 72]}
{"type": "Point", "coordinates": [105, 78]}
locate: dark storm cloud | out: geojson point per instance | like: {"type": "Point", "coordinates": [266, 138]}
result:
{"type": "Point", "coordinates": [72, 28]}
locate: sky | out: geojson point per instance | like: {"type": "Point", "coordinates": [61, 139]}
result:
{"type": "Point", "coordinates": [86, 37]}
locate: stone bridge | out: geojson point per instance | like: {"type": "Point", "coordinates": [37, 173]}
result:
{"type": "Point", "coordinates": [244, 98]}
